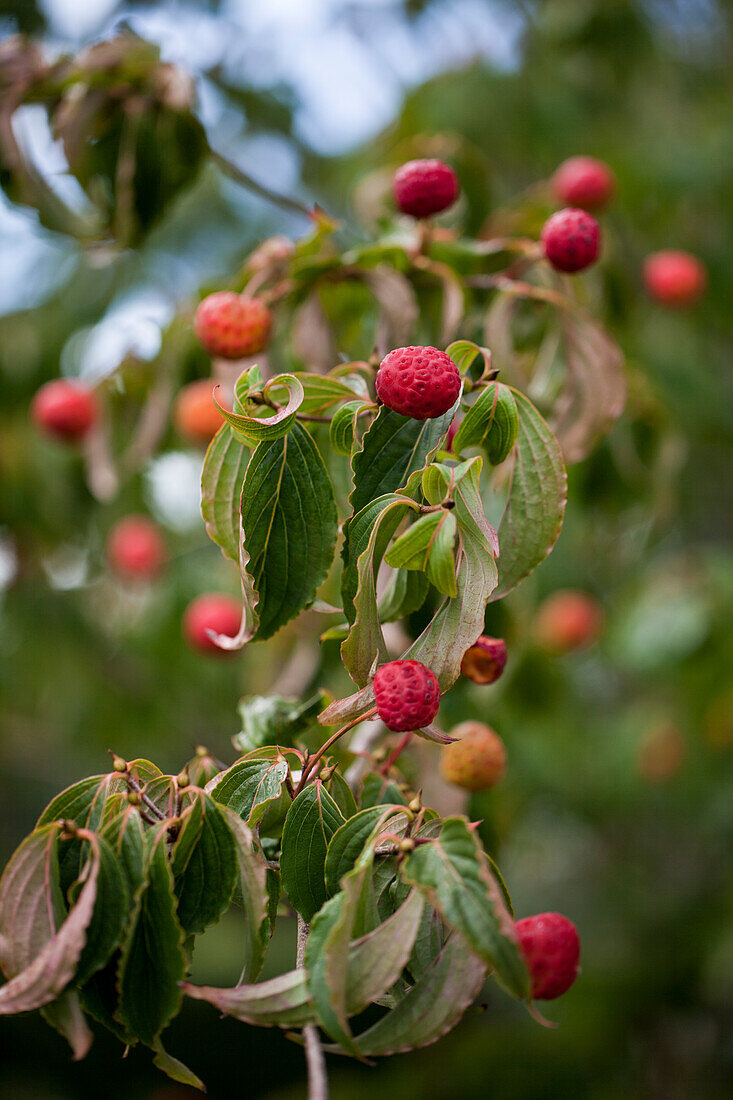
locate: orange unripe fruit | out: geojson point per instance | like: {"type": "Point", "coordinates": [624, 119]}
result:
{"type": "Point", "coordinates": [195, 415]}
{"type": "Point", "coordinates": [211, 611]}
{"type": "Point", "coordinates": [484, 661]}
{"type": "Point", "coordinates": [135, 548]}
{"type": "Point", "coordinates": [568, 620]}
{"type": "Point", "coordinates": [477, 760]}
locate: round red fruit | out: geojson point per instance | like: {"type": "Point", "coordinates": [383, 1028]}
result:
{"type": "Point", "coordinates": [425, 187]}
{"type": "Point", "coordinates": [232, 326]}
{"type": "Point", "coordinates": [675, 278]}
{"type": "Point", "coordinates": [135, 548]}
{"type": "Point", "coordinates": [64, 409]}
{"type": "Point", "coordinates": [407, 695]}
{"type": "Point", "coordinates": [584, 182]}
{"type": "Point", "coordinates": [214, 612]}
{"type": "Point", "coordinates": [568, 620]}
{"type": "Point", "coordinates": [551, 948]}
{"type": "Point", "coordinates": [485, 660]}
{"type": "Point", "coordinates": [571, 240]}
{"type": "Point", "coordinates": [419, 382]}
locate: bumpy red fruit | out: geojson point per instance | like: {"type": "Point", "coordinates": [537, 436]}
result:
{"type": "Point", "coordinates": [407, 695]}
{"type": "Point", "coordinates": [476, 761]}
{"type": "Point", "coordinates": [551, 948]}
{"type": "Point", "coordinates": [232, 326]}
{"type": "Point", "coordinates": [135, 548]}
{"type": "Point", "coordinates": [64, 409]}
{"type": "Point", "coordinates": [674, 278]}
{"type": "Point", "coordinates": [419, 382]}
{"type": "Point", "coordinates": [210, 612]}
{"type": "Point", "coordinates": [584, 182]}
{"type": "Point", "coordinates": [485, 660]}
{"type": "Point", "coordinates": [568, 620]}
{"type": "Point", "coordinates": [571, 240]}
{"type": "Point", "coordinates": [425, 187]}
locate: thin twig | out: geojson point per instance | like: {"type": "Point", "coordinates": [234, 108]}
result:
{"type": "Point", "coordinates": [317, 1076]}
{"type": "Point", "coordinates": [313, 760]}
{"type": "Point", "coordinates": [395, 754]}
{"type": "Point", "coordinates": [239, 176]}
{"type": "Point", "coordinates": [135, 786]}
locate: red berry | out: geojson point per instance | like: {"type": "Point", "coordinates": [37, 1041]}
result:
{"type": "Point", "coordinates": [419, 382]}
{"type": "Point", "coordinates": [425, 187]}
{"type": "Point", "coordinates": [221, 614]}
{"type": "Point", "coordinates": [484, 661]}
{"type": "Point", "coordinates": [675, 278]}
{"type": "Point", "coordinates": [551, 949]}
{"type": "Point", "coordinates": [568, 620]}
{"type": "Point", "coordinates": [135, 547]}
{"type": "Point", "coordinates": [195, 415]}
{"type": "Point", "coordinates": [584, 182]}
{"type": "Point", "coordinates": [64, 409]}
{"type": "Point", "coordinates": [232, 326]}
{"type": "Point", "coordinates": [407, 695]}
{"type": "Point", "coordinates": [571, 239]}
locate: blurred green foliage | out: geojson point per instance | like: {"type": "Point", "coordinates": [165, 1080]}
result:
{"type": "Point", "coordinates": [618, 804]}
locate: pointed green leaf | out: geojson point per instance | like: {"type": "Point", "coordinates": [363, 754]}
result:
{"type": "Point", "coordinates": [253, 882]}
{"type": "Point", "coordinates": [455, 878]}
{"type": "Point", "coordinates": [323, 391]}
{"type": "Point", "coordinates": [175, 1069]}
{"type": "Point", "coordinates": [204, 887]}
{"type": "Point", "coordinates": [66, 1015]}
{"type": "Point", "coordinates": [311, 821]}
{"type": "Point", "coordinates": [342, 429]}
{"type": "Point", "coordinates": [222, 477]}
{"type": "Point", "coordinates": [280, 1002]}
{"type": "Point", "coordinates": [109, 917]}
{"type": "Point", "coordinates": [537, 495]}
{"type": "Point", "coordinates": [254, 788]}
{"type": "Point", "coordinates": [123, 829]}
{"type": "Point", "coordinates": [275, 720]}
{"type": "Point", "coordinates": [464, 353]}
{"type": "Point", "coordinates": [491, 422]}
{"type": "Point", "coordinates": [342, 795]}
{"type": "Point", "coordinates": [427, 545]}
{"type": "Point", "coordinates": [152, 961]}
{"type": "Point", "coordinates": [404, 593]}
{"type": "Point", "coordinates": [350, 840]}
{"type": "Point", "coordinates": [270, 424]}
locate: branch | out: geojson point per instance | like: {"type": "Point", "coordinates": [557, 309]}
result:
{"type": "Point", "coordinates": [283, 201]}
{"type": "Point", "coordinates": [317, 1076]}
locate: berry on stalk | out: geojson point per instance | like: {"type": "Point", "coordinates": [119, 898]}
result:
{"type": "Point", "coordinates": [584, 182]}
{"type": "Point", "coordinates": [231, 326]}
{"type": "Point", "coordinates": [214, 612]}
{"type": "Point", "coordinates": [551, 948]}
{"type": "Point", "coordinates": [421, 382]}
{"type": "Point", "coordinates": [476, 761]}
{"type": "Point", "coordinates": [571, 240]}
{"type": "Point", "coordinates": [195, 415]}
{"type": "Point", "coordinates": [135, 548]}
{"type": "Point", "coordinates": [64, 409]}
{"type": "Point", "coordinates": [674, 278]}
{"type": "Point", "coordinates": [484, 661]}
{"type": "Point", "coordinates": [407, 695]}
{"type": "Point", "coordinates": [425, 187]}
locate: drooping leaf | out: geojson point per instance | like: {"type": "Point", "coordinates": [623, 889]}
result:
{"type": "Point", "coordinates": [280, 1002]}
{"type": "Point", "coordinates": [275, 720]}
{"type": "Point", "coordinates": [204, 887]}
{"type": "Point", "coordinates": [289, 525]}
{"type": "Point", "coordinates": [123, 829]}
{"type": "Point", "coordinates": [536, 504]}
{"type": "Point", "coordinates": [311, 821]}
{"type": "Point", "coordinates": [111, 910]}
{"type": "Point", "coordinates": [152, 960]}
{"type": "Point", "coordinates": [175, 1069]}
{"type": "Point", "coordinates": [253, 882]}
{"type": "Point", "coordinates": [40, 949]}
{"type": "Point", "coordinates": [459, 622]}
{"type": "Point", "coordinates": [432, 1007]}
{"type": "Point", "coordinates": [66, 1015]}
{"type": "Point", "coordinates": [427, 545]}
{"type": "Point", "coordinates": [454, 876]}
{"type": "Point", "coordinates": [254, 787]}
{"type": "Point", "coordinates": [222, 477]}
{"type": "Point", "coordinates": [350, 840]}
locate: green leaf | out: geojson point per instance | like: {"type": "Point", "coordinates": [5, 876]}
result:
{"type": "Point", "coordinates": [404, 593]}
{"type": "Point", "coordinates": [323, 391]}
{"type": "Point", "coordinates": [432, 1007]}
{"type": "Point", "coordinates": [342, 795]}
{"type": "Point", "coordinates": [222, 477]}
{"type": "Point", "coordinates": [491, 422]}
{"type": "Point", "coordinates": [152, 961]}
{"type": "Point", "coordinates": [464, 353]}
{"type": "Point", "coordinates": [383, 514]}
{"type": "Point", "coordinates": [252, 430]}
{"type": "Point", "coordinates": [343, 427]}
{"type": "Point", "coordinates": [350, 840]}
{"type": "Point", "coordinates": [280, 1002]}
{"type": "Point", "coordinates": [537, 495]}
{"type": "Point", "coordinates": [453, 874]}
{"type": "Point", "coordinates": [39, 948]}
{"type": "Point", "coordinates": [123, 829]}
{"type": "Point", "coordinates": [458, 622]}
{"type": "Point", "coordinates": [275, 720]}
{"type": "Point", "coordinates": [393, 448]}
{"type": "Point", "coordinates": [204, 887]}
{"type": "Point", "coordinates": [311, 821]}
{"type": "Point", "coordinates": [83, 803]}
{"type": "Point", "coordinates": [376, 790]}
{"type": "Point", "coordinates": [427, 545]}
{"type": "Point", "coordinates": [66, 1015]}
{"type": "Point", "coordinates": [175, 1069]}
{"type": "Point", "coordinates": [289, 523]}
{"type": "Point", "coordinates": [253, 882]}
{"type": "Point", "coordinates": [111, 910]}
{"type": "Point", "coordinates": [254, 788]}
